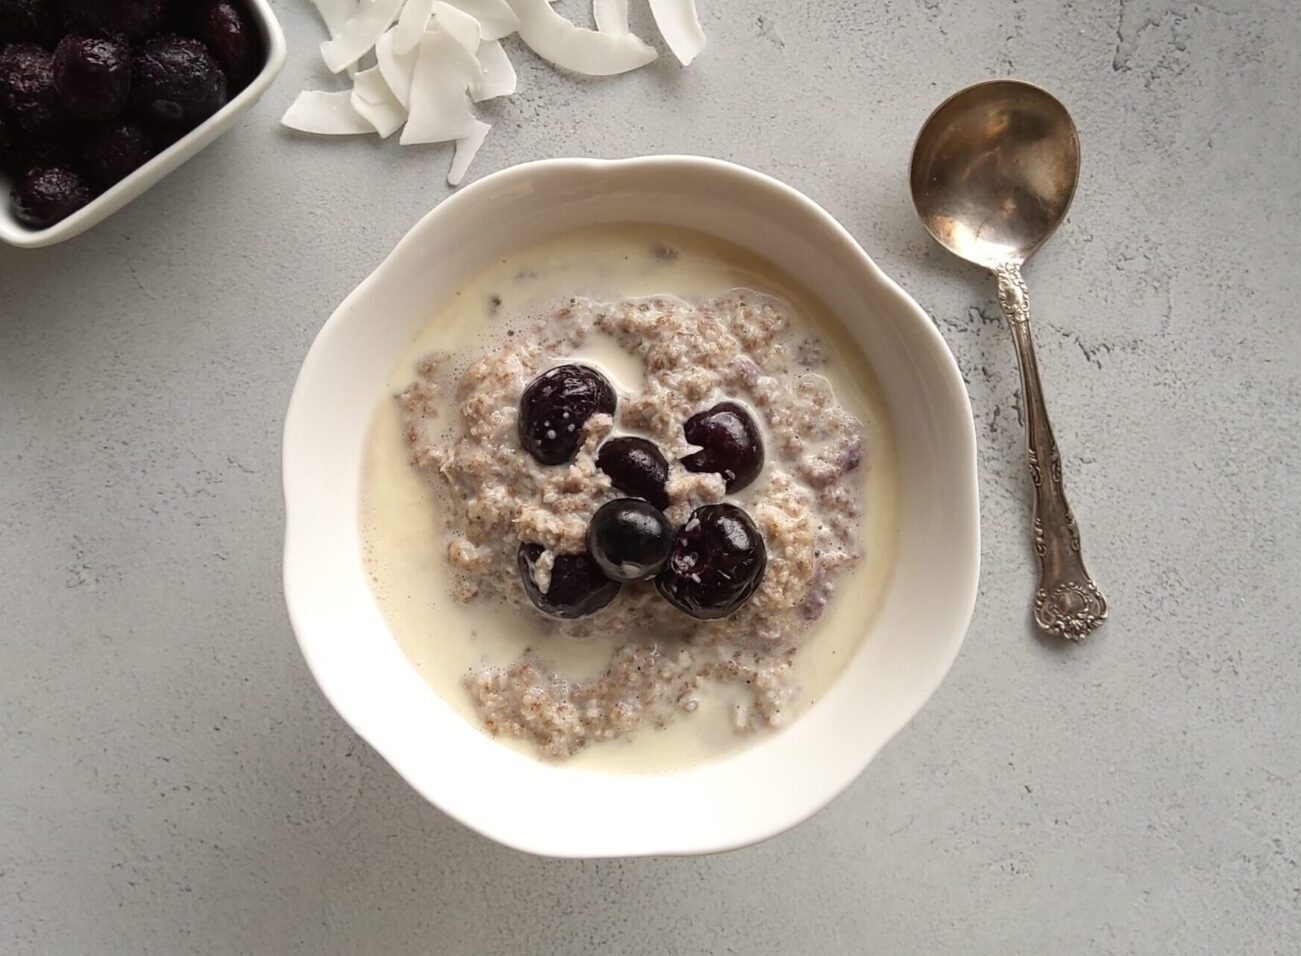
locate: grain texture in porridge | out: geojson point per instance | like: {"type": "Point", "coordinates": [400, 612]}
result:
{"type": "Point", "coordinates": [459, 425]}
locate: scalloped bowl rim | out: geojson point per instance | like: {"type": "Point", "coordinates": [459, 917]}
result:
{"type": "Point", "coordinates": [911, 642]}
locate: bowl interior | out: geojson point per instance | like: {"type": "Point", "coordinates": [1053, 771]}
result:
{"type": "Point", "coordinates": [551, 809]}
{"type": "Point", "coordinates": [138, 181]}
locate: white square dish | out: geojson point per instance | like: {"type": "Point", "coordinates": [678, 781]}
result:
{"type": "Point", "coordinates": [120, 193]}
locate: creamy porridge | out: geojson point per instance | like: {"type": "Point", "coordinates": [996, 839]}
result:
{"type": "Point", "coordinates": [770, 497]}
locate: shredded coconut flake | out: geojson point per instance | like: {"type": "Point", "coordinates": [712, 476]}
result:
{"type": "Point", "coordinates": [435, 58]}
{"type": "Point", "coordinates": [440, 101]}
{"type": "Point", "coordinates": [412, 23]}
{"type": "Point", "coordinates": [375, 102]}
{"type": "Point", "coordinates": [498, 76]}
{"type": "Point", "coordinates": [466, 147]}
{"type": "Point", "coordinates": [335, 13]}
{"type": "Point", "coordinates": [571, 47]}
{"type": "Point", "coordinates": [680, 27]}
{"type": "Point", "coordinates": [496, 18]}
{"type": "Point", "coordinates": [358, 36]}
{"type": "Point", "coordinates": [326, 114]}
{"type": "Point", "coordinates": [462, 27]}
{"type": "Point", "coordinates": [398, 69]}
{"type": "Point", "coordinates": [611, 16]}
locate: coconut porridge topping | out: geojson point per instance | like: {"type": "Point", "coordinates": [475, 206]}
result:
{"type": "Point", "coordinates": [758, 452]}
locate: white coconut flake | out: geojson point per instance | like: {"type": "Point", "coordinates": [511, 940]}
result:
{"type": "Point", "coordinates": [396, 68]}
{"type": "Point", "coordinates": [466, 148]}
{"type": "Point", "coordinates": [375, 102]}
{"type": "Point", "coordinates": [440, 101]}
{"type": "Point", "coordinates": [335, 13]}
{"type": "Point", "coordinates": [496, 18]}
{"type": "Point", "coordinates": [611, 16]}
{"type": "Point", "coordinates": [462, 27]}
{"type": "Point", "coordinates": [328, 114]}
{"type": "Point", "coordinates": [570, 47]}
{"type": "Point", "coordinates": [680, 27]}
{"type": "Point", "coordinates": [412, 23]}
{"type": "Point", "coordinates": [359, 34]}
{"type": "Point", "coordinates": [433, 59]}
{"type": "Point", "coordinates": [498, 76]}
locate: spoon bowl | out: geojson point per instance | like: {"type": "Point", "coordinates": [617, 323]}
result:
{"type": "Point", "coordinates": [994, 171]}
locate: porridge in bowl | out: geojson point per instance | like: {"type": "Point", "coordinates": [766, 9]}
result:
{"type": "Point", "coordinates": [632, 504]}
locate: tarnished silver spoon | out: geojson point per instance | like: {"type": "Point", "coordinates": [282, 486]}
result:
{"type": "Point", "coordinates": [993, 173]}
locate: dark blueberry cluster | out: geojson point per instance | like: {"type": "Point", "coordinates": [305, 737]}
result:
{"type": "Point", "coordinates": [92, 89]}
{"type": "Point", "coordinates": [708, 568]}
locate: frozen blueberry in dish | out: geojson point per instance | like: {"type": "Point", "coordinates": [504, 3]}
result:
{"type": "Point", "coordinates": [177, 83]}
{"type": "Point", "coordinates": [92, 76]}
{"type": "Point", "coordinates": [132, 19]}
{"type": "Point", "coordinates": [115, 151]}
{"type": "Point", "coordinates": [28, 92]}
{"type": "Point", "coordinates": [47, 194]}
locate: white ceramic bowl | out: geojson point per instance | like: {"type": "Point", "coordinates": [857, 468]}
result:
{"type": "Point", "coordinates": [549, 809]}
{"type": "Point", "coordinates": [120, 193]}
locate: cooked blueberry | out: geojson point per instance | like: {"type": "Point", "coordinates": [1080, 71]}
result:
{"type": "Point", "coordinates": [27, 83]}
{"type": "Point", "coordinates": [555, 407]}
{"type": "Point", "coordinates": [92, 76]}
{"type": "Point", "coordinates": [231, 38]}
{"type": "Point", "coordinates": [577, 588]}
{"type": "Point", "coordinates": [114, 152]}
{"type": "Point", "coordinates": [716, 564]}
{"type": "Point", "coordinates": [26, 21]}
{"type": "Point", "coordinates": [177, 83]}
{"type": "Point", "coordinates": [729, 442]}
{"type": "Point", "coordinates": [48, 194]}
{"type": "Point", "coordinates": [636, 467]}
{"type": "Point", "coordinates": [129, 18]}
{"type": "Point", "coordinates": [630, 539]}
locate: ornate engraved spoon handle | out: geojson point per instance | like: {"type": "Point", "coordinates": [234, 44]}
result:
{"type": "Point", "coordinates": [1067, 603]}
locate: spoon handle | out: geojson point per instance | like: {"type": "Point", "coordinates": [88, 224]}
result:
{"type": "Point", "coordinates": [1067, 603]}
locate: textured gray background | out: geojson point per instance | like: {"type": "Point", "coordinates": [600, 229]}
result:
{"type": "Point", "coordinates": [171, 781]}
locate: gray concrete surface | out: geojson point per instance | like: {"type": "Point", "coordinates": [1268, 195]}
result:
{"type": "Point", "coordinates": [171, 781]}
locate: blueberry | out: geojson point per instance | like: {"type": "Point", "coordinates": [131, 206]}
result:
{"type": "Point", "coordinates": [27, 90]}
{"type": "Point", "coordinates": [8, 145]}
{"type": "Point", "coordinates": [636, 467]}
{"type": "Point", "coordinates": [177, 83]}
{"type": "Point", "coordinates": [716, 564]}
{"type": "Point", "coordinates": [47, 194]}
{"type": "Point", "coordinates": [43, 151]}
{"type": "Point", "coordinates": [629, 539]}
{"type": "Point", "coordinates": [26, 21]}
{"type": "Point", "coordinates": [555, 407]}
{"type": "Point", "coordinates": [729, 442]}
{"type": "Point", "coordinates": [92, 76]}
{"type": "Point", "coordinates": [114, 152]}
{"type": "Point", "coordinates": [578, 588]}
{"type": "Point", "coordinates": [129, 18]}
{"type": "Point", "coordinates": [231, 38]}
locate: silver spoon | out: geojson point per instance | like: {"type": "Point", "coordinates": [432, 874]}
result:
{"type": "Point", "coordinates": [993, 173]}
